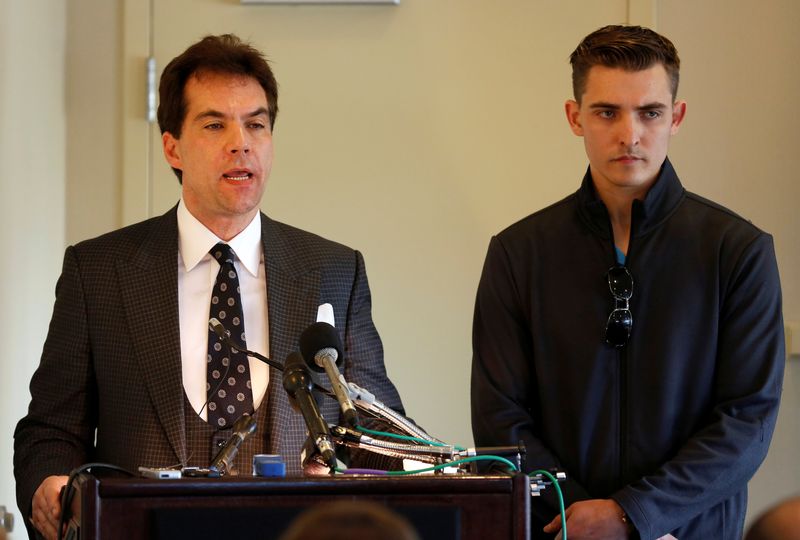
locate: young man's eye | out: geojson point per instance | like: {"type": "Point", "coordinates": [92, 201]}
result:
{"type": "Point", "coordinates": [214, 126]}
{"type": "Point", "coordinates": [651, 115]}
{"type": "Point", "coordinates": [605, 114]}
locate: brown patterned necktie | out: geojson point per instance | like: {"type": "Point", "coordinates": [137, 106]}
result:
{"type": "Point", "coordinates": [228, 377]}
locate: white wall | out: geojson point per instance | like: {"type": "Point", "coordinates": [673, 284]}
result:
{"type": "Point", "coordinates": [32, 150]}
{"type": "Point", "coordinates": [93, 105]}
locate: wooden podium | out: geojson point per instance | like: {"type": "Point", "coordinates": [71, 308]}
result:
{"type": "Point", "coordinates": [439, 507]}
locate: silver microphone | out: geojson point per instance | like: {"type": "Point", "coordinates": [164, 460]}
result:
{"type": "Point", "coordinates": [322, 351]}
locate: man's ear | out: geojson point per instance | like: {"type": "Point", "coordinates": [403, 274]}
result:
{"type": "Point", "coordinates": [678, 114]}
{"type": "Point", "coordinates": [573, 110]}
{"type": "Point", "coordinates": [171, 150]}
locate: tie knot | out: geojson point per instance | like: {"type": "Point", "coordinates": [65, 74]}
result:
{"type": "Point", "coordinates": [222, 253]}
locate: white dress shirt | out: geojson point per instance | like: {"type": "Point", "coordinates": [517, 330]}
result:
{"type": "Point", "coordinates": [197, 272]}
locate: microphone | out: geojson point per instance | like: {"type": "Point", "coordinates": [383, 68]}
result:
{"type": "Point", "coordinates": [298, 384]}
{"type": "Point", "coordinates": [222, 333]}
{"type": "Point", "coordinates": [224, 336]}
{"type": "Point", "coordinates": [363, 398]}
{"type": "Point", "coordinates": [242, 428]}
{"type": "Point", "coordinates": [322, 348]}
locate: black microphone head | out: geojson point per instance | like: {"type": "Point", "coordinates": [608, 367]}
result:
{"type": "Point", "coordinates": [317, 337]}
{"type": "Point", "coordinates": [246, 424]}
{"type": "Point", "coordinates": [296, 375]}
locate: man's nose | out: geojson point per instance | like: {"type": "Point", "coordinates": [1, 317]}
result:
{"type": "Point", "coordinates": [237, 141]}
{"type": "Point", "coordinates": [629, 131]}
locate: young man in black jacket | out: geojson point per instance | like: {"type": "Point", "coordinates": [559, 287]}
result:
{"type": "Point", "coordinates": [631, 334]}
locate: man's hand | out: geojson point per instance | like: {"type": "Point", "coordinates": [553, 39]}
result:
{"type": "Point", "coordinates": [46, 510]}
{"type": "Point", "coordinates": [594, 519]}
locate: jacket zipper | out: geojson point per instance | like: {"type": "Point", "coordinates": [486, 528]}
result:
{"type": "Point", "coordinates": [622, 357]}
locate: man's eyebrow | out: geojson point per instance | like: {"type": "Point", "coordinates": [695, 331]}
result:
{"type": "Point", "coordinates": [258, 112]}
{"type": "Point", "coordinates": [603, 105]}
{"type": "Point", "coordinates": [652, 106]}
{"type": "Point", "coordinates": [655, 105]}
{"type": "Point", "coordinates": [211, 113]}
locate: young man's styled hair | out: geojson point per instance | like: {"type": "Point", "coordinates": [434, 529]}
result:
{"type": "Point", "coordinates": [225, 54]}
{"type": "Point", "coordinates": [632, 48]}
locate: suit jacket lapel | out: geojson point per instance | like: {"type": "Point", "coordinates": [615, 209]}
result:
{"type": "Point", "coordinates": [293, 292]}
{"type": "Point", "coordinates": [149, 289]}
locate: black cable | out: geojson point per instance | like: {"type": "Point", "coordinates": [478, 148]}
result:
{"type": "Point", "coordinates": [216, 388]}
{"type": "Point", "coordinates": [69, 491]}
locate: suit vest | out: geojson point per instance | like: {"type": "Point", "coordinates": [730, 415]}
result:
{"type": "Point", "coordinates": [203, 441]}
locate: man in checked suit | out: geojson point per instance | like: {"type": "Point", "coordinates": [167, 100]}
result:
{"type": "Point", "coordinates": [122, 377]}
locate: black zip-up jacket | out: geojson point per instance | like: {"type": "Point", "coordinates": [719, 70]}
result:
{"type": "Point", "coordinates": [672, 425]}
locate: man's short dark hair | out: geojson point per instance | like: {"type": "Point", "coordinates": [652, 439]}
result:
{"type": "Point", "coordinates": [225, 54]}
{"type": "Point", "coordinates": [632, 48]}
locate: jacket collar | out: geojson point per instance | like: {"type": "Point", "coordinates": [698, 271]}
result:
{"type": "Point", "coordinates": [659, 203]}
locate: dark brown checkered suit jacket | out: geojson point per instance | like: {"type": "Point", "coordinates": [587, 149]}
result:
{"type": "Point", "coordinates": [111, 361]}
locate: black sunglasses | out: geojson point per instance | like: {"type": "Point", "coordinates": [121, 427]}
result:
{"type": "Point", "coordinates": [620, 321]}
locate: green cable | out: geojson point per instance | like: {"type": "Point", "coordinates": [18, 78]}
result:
{"type": "Point", "coordinates": [468, 460]}
{"type": "Point", "coordinates": [404, 437]}
{"type": "Point", "coordinates": [513, 467]}
{"type": "Point", "coordinates": [443, 465]}
{"type": "Point", "coordinates": [451, 463]}
{"type": "Point", "coordinates": [554, 480]}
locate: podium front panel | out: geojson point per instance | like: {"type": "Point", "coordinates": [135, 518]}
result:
{"type": "Point", "coordinates": [439, 507]}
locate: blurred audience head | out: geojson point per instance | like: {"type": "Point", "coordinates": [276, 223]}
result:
{"type": "Point", "coordinates": [345, 520]}
{"type": "Point", "coordinates": [781, 522]}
